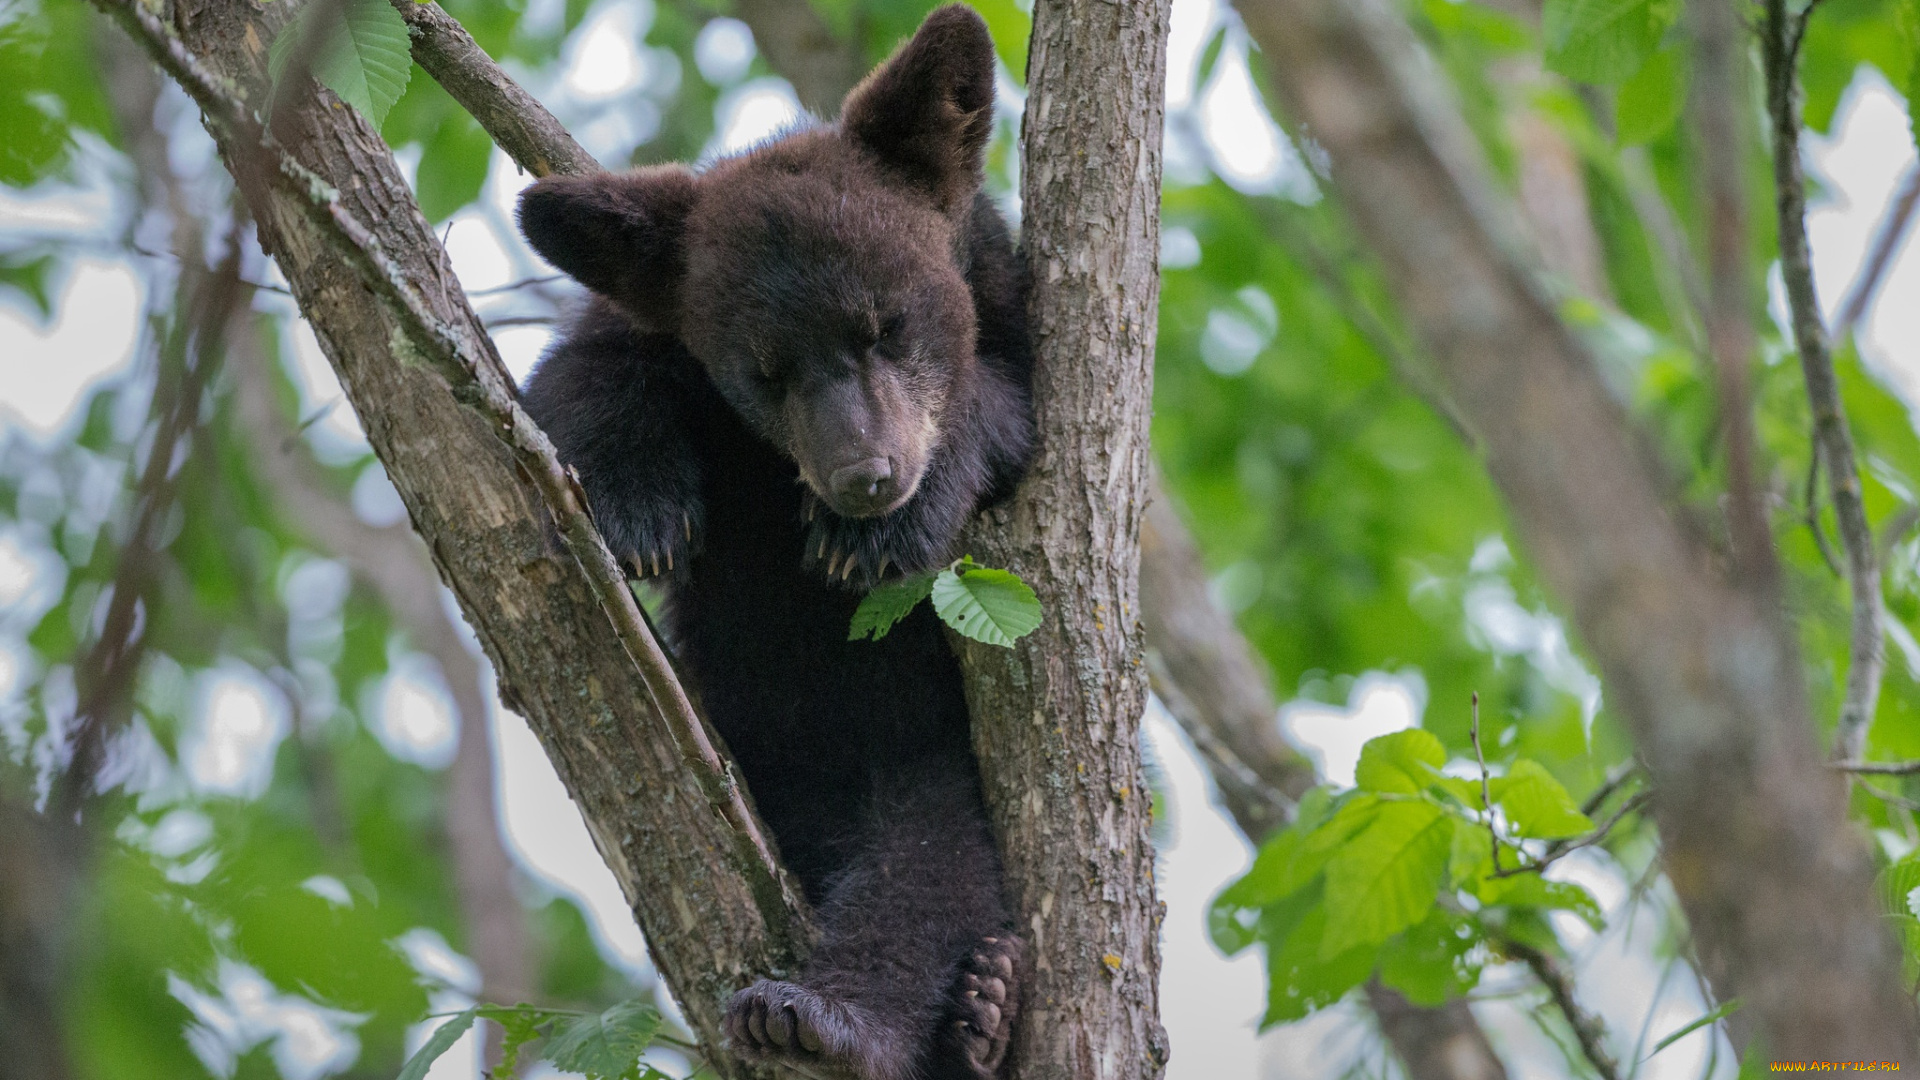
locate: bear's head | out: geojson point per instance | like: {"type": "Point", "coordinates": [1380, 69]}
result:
{"type": "Point", "coordinates": [820, 277]}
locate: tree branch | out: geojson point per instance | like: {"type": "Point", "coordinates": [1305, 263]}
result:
{"type": "Point", "coordinates": [518, 123]}
{"type": "Point", "coordinates": [479, 481]}
{"type": "Point", "coordinates": [1832, 441]}
{"type": "Point", "coordinates": [1773, 877]}
{"type": "Point", "coordinates": [1888, 232]}
{"type": "Point", "coordinates": [1589, 1029]}
{"type": "Point", "coordinates": [1056, 718]}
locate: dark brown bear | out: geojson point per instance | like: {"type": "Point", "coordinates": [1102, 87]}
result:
{"type": "Point", "coordinates": [802, 371]}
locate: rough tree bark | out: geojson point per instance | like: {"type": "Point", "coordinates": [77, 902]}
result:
{"type": "Point", "coordinates": [1774, 879]}
{"type": "Point", "coordinates": [1056, 718]}
{"type": "Point", "coordinates": [711, 923]}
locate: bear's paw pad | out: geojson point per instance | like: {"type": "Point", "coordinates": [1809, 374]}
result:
{"type": "Point", "coordinates": [986, 998]}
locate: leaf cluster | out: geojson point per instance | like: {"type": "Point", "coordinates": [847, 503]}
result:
{"type": "Point", "coordinates": [1397, 879]}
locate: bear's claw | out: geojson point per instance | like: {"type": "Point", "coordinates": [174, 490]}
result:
{"type": "Point", "coordinates": [808, 1032]}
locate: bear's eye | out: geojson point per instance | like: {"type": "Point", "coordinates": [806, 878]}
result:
{"type": "Point", "coordinates": [892, 328]}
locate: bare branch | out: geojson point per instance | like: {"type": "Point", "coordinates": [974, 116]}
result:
{"type": "Point", "coordinates": [1720, 88]}
{"type": "Point", "coordinates": [1587, 1027]}
{"type": "Point", "coordinates": [1878, 768]}
{"type": "Point", "coordinates": [519, 124]}
{"type": "Point", "coordinates": [1833, 442]}
{"type": "Point", "coordinates": [1888, 233]}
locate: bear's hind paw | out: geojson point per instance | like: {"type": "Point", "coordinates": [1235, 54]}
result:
{"type": "Point", "coordinates": [986, 998]}
{"type": "Point", "coordinates": [810, 1033]}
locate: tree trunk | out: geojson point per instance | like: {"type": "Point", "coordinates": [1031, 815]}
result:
{"type": "Point", "coordinates": [1056, 718]}
{"type": "Point", "coordinates": [711, 929]}
{"type": "Point", "coordinates": [1774, 879]}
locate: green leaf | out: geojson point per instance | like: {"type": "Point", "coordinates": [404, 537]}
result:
{"type": "Point", "coordinates": [1432, 961]}
{"type": "Point", "coordinates": [1649, 103]}
{"type": "Point", "coordinates": [453, 167]}
{"type": "Point", "coordinates": [1299, 980]}
{"type": "Point", "coordinates": [1404, 762]}
{"type": "Point", "coordinates": [986, 604]}
{"type": "Point", "coordinates": [363, 55]}
{"type": "Point", "coordinates": [1896, 884]}
{"type": "Point", "coordinates": [1713, 1017]}
{"type": "Point", "coordinates": [1209, 56]}
{"type": "Point", "coordinates": [519, 1025]}
{"type": "Point", "coordinates": [1286, 864]}
{"type": "Point", "coordinates": [1472, 855]}
{"type": "Point", "coordinates": [438, 1043]}
{"type": "Point", "coordinates": [27, 275]}
{"type": "Point", "coordinates": [608, 1045]}
{"type": "Point", "coordinates": [1385, 879]}
{"type": "Point", "coordinates": [1602, 41]}
{"type": "Point", "coordinates": [1536, 804]}
{"type": "Point", "coordinates": [1532, 890]}
{"type": "Point", "coordinates": [885, 605]}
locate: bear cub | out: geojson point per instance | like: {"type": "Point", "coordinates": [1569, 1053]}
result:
{"type": "Point", "coordinates": [800, 371]}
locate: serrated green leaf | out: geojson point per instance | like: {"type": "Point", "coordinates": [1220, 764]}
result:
{"type": "Point", "coordinates": [1404, 762]}
{"type": "Point", "coordinates": [605, 1046]}
{"type": "Point", "coordinates": [1536, 804]}
{"type": "Point", "coordinates": [1532, 890]}
{"type": "Point", "coordinates": [1601, 41]}
{"type": "Point", "coordinates": [438, 1043]}
{"type": "Point", "coordinates": [1651, 101]}
{"type": "Point", "coordinates": [885, 605]}
{"type": "Point", "coordinates": [1385, 879]}
{"type": "Point", "coordinates": [519, 1025]}
{"type": "Point", "coordinates": [986, 604]}
{"type": "Point", "coordinates": [363, 54]}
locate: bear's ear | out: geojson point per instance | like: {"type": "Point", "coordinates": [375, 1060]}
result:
{"type": "Point", "coordinates": [928, 110]}
{"type": "Point", "coordinates": [622, 235]}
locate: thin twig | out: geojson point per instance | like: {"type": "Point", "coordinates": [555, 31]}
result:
{"type": "Point", "coordinates": [1877, 768]}
{"type": "Point", "coordinates": [1832, 441]}
{"type": "Point", "coordinates": [1812, 504]}
{"type": "Point", "coordinates": [523, 283]}
{"type": "Point", "coordinates": [1560, 849]}
{"type": "Point", "coordinates": [434, 343]}
{"type": "Point", "coordinates": [1486, 799]}
{"type": "Point", "coordinates": [1888, 232]}
{"type": "Point", "coordinates": [1588, 1028]}
{"type": "Point", "coordinates": [105, 675]}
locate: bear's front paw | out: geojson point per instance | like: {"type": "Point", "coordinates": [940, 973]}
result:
{"type": "Point", "coordinates": [986, 997]}
{"type": "Point", "coordinates": [812, 1034]}
{"type": "Point", "coordinates": [861, 552]}
{"type": "Point", "coordinates": [652, 540]}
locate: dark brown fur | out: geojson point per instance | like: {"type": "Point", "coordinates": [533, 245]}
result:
{"type": "Point", "coordinates": [805, 368]}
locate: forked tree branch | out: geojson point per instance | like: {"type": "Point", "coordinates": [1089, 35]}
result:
{"type": "Point", "coordinates": [1832, 441]}
{"type": "Point", "coordinates": [1774, 879]}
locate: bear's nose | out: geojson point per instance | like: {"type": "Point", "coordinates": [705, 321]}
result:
{"type": "Point", "coordinates": [869, 481]}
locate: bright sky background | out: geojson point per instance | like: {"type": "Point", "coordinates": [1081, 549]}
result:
{"type": "Point", "coordinates": [1210, 1004]}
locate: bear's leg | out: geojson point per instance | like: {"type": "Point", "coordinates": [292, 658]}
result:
{"type": "Point", "coordinates": [916, 976]}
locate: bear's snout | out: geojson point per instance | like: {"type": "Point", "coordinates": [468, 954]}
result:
{"type": "Point", "coordinates": [864, 488]}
